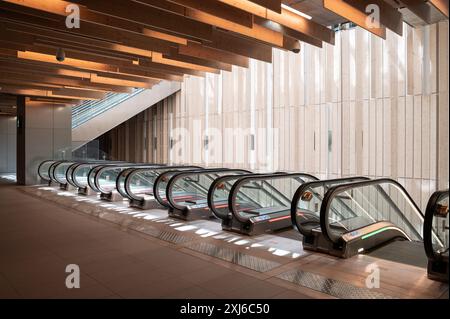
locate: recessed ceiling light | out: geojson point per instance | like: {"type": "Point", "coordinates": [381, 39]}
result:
{"type": "Point", "coordinates": [304, 15]}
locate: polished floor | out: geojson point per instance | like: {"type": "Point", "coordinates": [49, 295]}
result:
{"type": "Point", "coordinates": [39, 238]}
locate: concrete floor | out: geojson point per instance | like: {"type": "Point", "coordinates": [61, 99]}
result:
{"type": "Point", "coordinates": [38, 239]}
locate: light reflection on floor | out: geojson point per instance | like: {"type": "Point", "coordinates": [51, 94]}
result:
{"type": "Point", "coordinates": [271, 243]}
{"type": "Point", "coordinates": [9, 177]}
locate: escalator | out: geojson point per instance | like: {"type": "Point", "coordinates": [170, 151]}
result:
{"type": "Point", "coordinates": [187, 192]}
{"type": "Point", "coordinates": [305, 209]}
{"type": "Point", "coordinates": [44, 171]}
{"type": "Point", "coordinates": [436, 246]}
{"type": "Point", "coordinates": [160, 186]}
{"type": "Point", "coordinates": [136, 184]}
{"type": "Point", "coordinates": [376, 217]}
{"type": "Point", "coordinates": [77, 175]}
{"type": "Point", "coordinates": [258, 204]}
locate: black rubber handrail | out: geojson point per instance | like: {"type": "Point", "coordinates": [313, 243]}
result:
{"type": "Point", "coordinates": [180, 175]}
{"type": "Point", "coordinates": [48, 173]}
{"type": "Point", "coordinates": [331, 193]}
{"type": "Point", "coordinates": [428, 223]}
{"type": "Point", "coordinates": [132, 171]}
{"type": "Point", "coordinates": [159, 179]}
{"type": "Point", "coordinates": [213, 188]}
{"type": "Point", "coordinates": [93, 173]}
{"type": "Point", "coordinates": [52, 168]}
{"type": "Point", "coordinates": [69, 175]}
{"type": "Point", "coordinates": [306, 186]}
{"type": "Point", "coordinates": [75, 168]}
{"type": "Point", "coordinates": [91, 176]}
{"type": "Point", "coordinates": [120, 167]}
{"type": "Point", "coordinates": [264, 177]}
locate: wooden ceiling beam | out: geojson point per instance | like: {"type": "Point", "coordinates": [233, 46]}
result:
{"type": "Point", "coordinates": [213, 13]}
{"type": "Point", "coordinates": [351, 13]}
{"type": "Point", "coordinates": [441, 5]}
{"type": "Point", "coordinates": [390, 17]}
{"type": "Point", "coordinates": [193, 49]}
{"type": "Point", "coordinates": [43, 33]}
{"type": "Point", "coordinates": [228, 42]}
{"type": "Point", "coordinates": [54, 100]}
{"type": "Point", "coordinates": [152, 70]}
{"type": "Point", "coordinates": [286, 18]}
{"type": "Point", "coordinates": [140, 38]}
{"type": "Point", "coordinates": [60, 93]}
{"type": "Point", "coordinates": [145, 15]}
{"type": "Point", "coordinates": [161, 66]}
{"type": "Point", "coordinates": [159, 58]}
{"type": "Point", "coordinates": [274, 5]}
{"type": "Point", "coordinates": [74, 52]}
{"type": "Point", "coordinates": [420, 8]}
{"type": "Point", "coordinates": [69, 72]}
{"type": "Point", "coordinates": [45, 78]}
{"type": "Point", "coordinates": [288, 31]}
{"type": "Point", "coordinates": [218, 9]}
{"type": "Point", "coordinates": [174, 55]}
{"type": "Point", "coordinates": [28, 85]}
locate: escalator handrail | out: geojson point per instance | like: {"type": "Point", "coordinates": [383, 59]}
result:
{"type": "Point", "coordinates": [69, 172]}
{"type": "Point", "coordinates": [180, 175]}
{"type": "Point", "coordinates": [91, 176]}
{"type": "Point", "coordinates": [63, 181]}
{"type": "Point", "coordinates": [330, 194]}
{"type": "Point", "coordinates": [304, 187]}
{"type": "Point", "coordinates": [74, 176]}
{"type": "Point", "coordinates": [213, 187]}
{"type": "Point", "coordinates": [428, 224]}
{"type": "Point", "coordinates": [123, 174]}
{"type": "Point", "coordinates": [39, 169]}
{"type": "Point", "coordinates": [159, 179]}
{"type": "Point", "coordinates": [52, 170]}
{"type": "Point", "coordinates": [93, 173]}
{"type": "Point", "coordinates": [121, 168]}
{"type": "Point", "coordinates": [133, 171]}
{"type": "Point", "coordinates": [264, 177]}
{"type": "Point", "coordinates": [94, 164]}
{"type": "Point", "coordinates": [225, 179]}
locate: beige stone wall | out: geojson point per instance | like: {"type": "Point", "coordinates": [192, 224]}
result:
{"type": "Point", "coordinates": [364, 106]}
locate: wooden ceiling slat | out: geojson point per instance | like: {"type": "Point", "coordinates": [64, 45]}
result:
{"type": "Point", "coordinates": [26, 75]}
{"type": "Point", "coordinates": [91, 79]}
{"type": "Point", "coordinates": [44, 33]}
{"type": "Point", "coordinates": [196, 50]}
{"type": "Point", "coordinates": [61, 93]}
{"type": "Point", "coordinates": [389, 16]}
{"type": "Point", "coordinates": [228, 42]}
{"type": "Point", "coordinates": [274, 5]}
{"type": "Point", "coordinates": [91, 66]}
{"type": "Point", "coordinates": [159, 58]}
{"type": "Point", "coordinates": [145, 15]}
{"type": "Point", "coordinates": [287, 19]}
{"type": "Point", "coordinates": [161, 67]}
{"type": "Point", "coordinates": [214, 13]}
{"type": "Point", "coordinates": [174, 55]}
{"type": "Point", "coordinates": [420, 8]}
{"type": "Point", "coordinates": [219, 9]}
{"type": "Point", "coordinates": [92, 30]}
{"type": "Point", "coordinates": [345, 10]}
{"type": "Point", "coordinates": [441, 5]}
{"type": "Point", "coordinates": [288, 31]}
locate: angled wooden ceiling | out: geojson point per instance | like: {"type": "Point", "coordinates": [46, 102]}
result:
{"type": "Point", "coordinates": [123, 44]}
